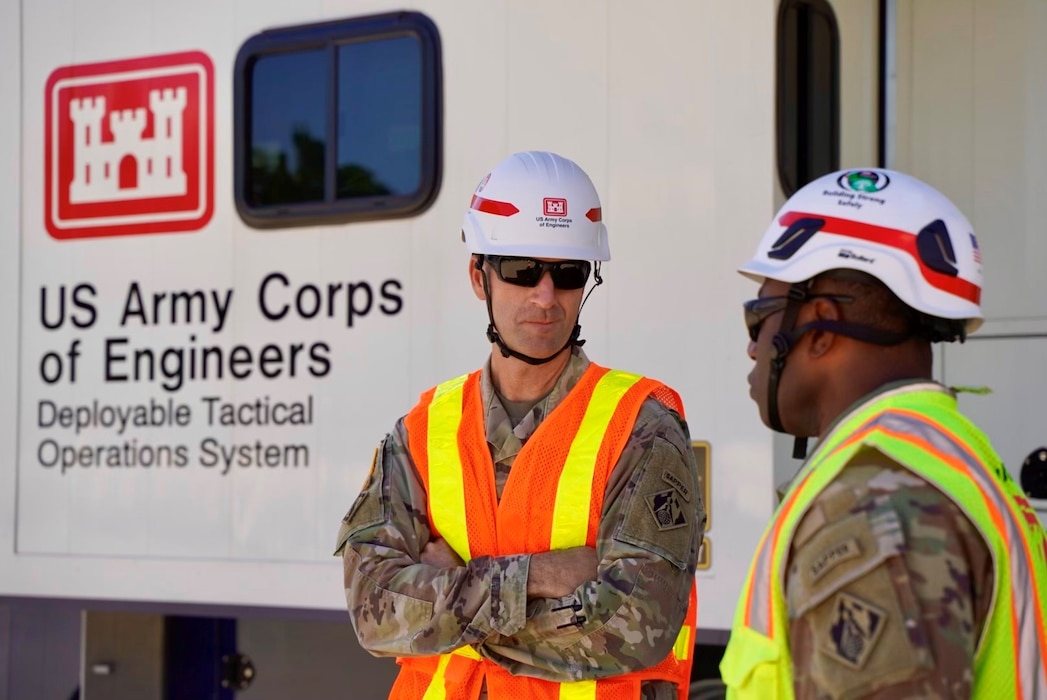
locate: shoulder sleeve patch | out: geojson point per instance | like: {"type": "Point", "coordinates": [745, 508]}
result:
{"type": "Point", "coordinates": [852, 629]}
{"type": "Point", "coordinates": [667, 509]}
{"type": "Point", "coordinates": [368, 508]}
{"type": "Point", "coordinates": [657, 516]}
{"type": "Point", "coordinates": [853, 609]}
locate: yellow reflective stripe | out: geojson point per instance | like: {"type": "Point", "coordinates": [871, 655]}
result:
{"type": "Point", "coordinates": [682, 646]}
{"type": "Point", "coordinates": [574, 492]}
{"type": "Point", "coordinates": [437, 689]}
{"type": "Point", "coordinates": [578, 690]}
{"type": "Point", "coordinates": [468, 652]}
{"type": "Point", "coordinates": [754, 598]}
{"type": "Point", "coordinates": [446, 485]}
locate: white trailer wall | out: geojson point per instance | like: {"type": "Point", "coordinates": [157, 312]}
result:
{"type": "Point", "coordinates": [669, 106]}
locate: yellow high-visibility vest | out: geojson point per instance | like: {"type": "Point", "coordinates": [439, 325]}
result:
{"type": "Point", "coordinates": [921, 430]}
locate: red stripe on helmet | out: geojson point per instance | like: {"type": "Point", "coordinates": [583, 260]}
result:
{"type": "Point", "coordinates": [894, 238]}
{"type": "Point", "coordinates": [490, 206]}
{"type": "Point", "coordinates": [595, 215]}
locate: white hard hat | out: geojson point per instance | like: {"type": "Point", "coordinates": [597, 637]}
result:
{"type": "Point", "coordinates": [887, 224]}
{"type": "Point", "coordinates": [536, 204]}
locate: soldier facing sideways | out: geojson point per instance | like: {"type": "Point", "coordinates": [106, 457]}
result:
{"type": "Point", "coordinates": [531, 530]}
{"type": "Point", "coordinates": [903, 561]}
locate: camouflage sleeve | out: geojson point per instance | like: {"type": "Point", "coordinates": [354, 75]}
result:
{"type": "Point", "coordinates": [650, 531]}
{"type": "Point", "coordinates": [888, 586]}
{"type": "Point", "coordinates": [401, 607]}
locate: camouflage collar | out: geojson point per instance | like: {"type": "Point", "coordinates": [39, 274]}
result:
{"type": "Point", "coordinates": [505, 440]}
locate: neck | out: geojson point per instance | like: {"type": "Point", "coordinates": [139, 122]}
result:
{"type": "Point", "coordinates": [516, 380]}
{"type": "Point", "coordinates": [866, 376]}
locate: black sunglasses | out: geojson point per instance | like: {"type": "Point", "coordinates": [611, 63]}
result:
{"type": "Point", "coordinates": [759, 310]}
{"type": "Point", "coordinates": [527, 272]}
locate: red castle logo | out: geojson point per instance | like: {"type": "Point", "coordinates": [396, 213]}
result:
{"type": "Point", "coordinates": [554, 206]}
{"type": "Point", "coordinates": [129, 147]}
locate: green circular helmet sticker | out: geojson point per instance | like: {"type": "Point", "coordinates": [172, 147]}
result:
{"type": "Point", "coordinates": [864, 181]}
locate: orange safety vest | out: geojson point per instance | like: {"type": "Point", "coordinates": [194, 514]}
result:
{"type": "Point", "coordinates": [552, 500]}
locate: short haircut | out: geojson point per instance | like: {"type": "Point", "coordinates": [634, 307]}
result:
{"type": "Point", "coordinates": [874, 306]}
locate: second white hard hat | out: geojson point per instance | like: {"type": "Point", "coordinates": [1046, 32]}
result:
{"type": "Point", "coordinates": [885, 223]}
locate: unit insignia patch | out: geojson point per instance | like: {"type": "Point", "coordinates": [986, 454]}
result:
{"type": "Point", "coordinates": [666, 509]}
{"type": "Point", "coordinates": [854, 628]}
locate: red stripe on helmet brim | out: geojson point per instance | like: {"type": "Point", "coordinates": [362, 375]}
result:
{"type": "Point", "coordinates": [893, 238]}
{"type": "Point", "coordinates": [491, 206]}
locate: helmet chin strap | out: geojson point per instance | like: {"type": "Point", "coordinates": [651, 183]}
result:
{"type": "Point", "coordinates": [494, 337]}
{"type": "Point", "coordinates": [782, 344]}
{"type": "Point", "coordinates": [785, 340]}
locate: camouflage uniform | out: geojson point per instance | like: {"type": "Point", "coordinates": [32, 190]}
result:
{"type": "Point", "coordinates": [632, 610]}
{"type": "Point", "coordinates": [882, 544]}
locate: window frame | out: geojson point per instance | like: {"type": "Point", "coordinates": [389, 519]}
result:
{"type": "Point", "coordinates": [328, 36]}
{"type": "Point", "coordinates": [782, 109]}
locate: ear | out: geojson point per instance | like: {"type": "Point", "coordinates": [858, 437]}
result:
{"type": "Point", "coordinates": [476, 276]}
{"type": "Point", "coordinates": [822, 342]}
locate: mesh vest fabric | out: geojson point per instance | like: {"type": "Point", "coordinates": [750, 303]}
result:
{"type": "Point", "coordinates": [552, 499]}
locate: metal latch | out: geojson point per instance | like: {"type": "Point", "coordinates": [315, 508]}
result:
{"type": "Point", "coordinates": [237, 671]}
